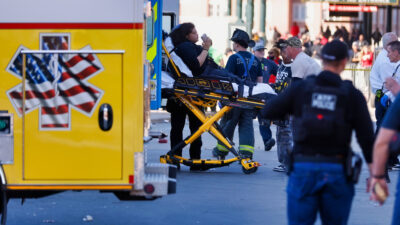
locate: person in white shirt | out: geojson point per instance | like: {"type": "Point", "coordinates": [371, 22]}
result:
{"type": "Point", "coordinates": [303, 65]}
{"type": "Point", "coordinates": [382, 69]}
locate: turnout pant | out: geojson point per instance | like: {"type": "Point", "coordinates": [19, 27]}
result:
{"type": "Point", "coordinates": [243, 118]}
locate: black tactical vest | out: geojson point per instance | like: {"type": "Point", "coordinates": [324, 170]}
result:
{"type": "Point", "coordinates": [324, 121]}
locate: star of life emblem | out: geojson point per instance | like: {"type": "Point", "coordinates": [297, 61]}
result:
{"type": "Point", "coordinates": [55, 83]}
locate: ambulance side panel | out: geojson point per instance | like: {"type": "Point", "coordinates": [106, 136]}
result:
{"type": "Point", "coordinates": [81, 153]}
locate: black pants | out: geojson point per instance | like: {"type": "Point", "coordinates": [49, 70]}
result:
{"type": "Point", "coordinates": [380, 112]}
{"type": "Point", "coordinates": [178, 118]}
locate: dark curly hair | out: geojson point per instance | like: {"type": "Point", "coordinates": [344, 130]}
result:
{"type": "Point", "coordinates": [179, 33]}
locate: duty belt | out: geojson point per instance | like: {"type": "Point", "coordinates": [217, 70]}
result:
{"type": "Point", "coordinates": [319, 158]}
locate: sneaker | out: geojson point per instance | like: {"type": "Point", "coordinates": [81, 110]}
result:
{"type": "Point", "coordinates": [217, 155]}
{"type": "Point", "coordinates": [280, 168]}
{"type": "Point", "coordinates": [269, 144]}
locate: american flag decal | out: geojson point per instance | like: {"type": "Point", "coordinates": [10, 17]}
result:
{"type": "Point", "coordinates": [55, 83]}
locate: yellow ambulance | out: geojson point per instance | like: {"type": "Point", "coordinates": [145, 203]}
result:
{"type": "Point", "coordinates": [72, 96]}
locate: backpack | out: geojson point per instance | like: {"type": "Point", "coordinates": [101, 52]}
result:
{"type": "Point", "coordinates": [325, 117]}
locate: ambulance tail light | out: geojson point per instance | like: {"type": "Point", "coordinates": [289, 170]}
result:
{"type": "Point", "coordinates": [6, 138]}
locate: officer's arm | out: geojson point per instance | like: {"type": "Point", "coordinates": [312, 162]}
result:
{"type": "Point", "coordinates": [280, 105]}
{"type": "Point", "coordinates": [381, 151]}
{"type": "Point", "coordinates": [363, 125]}
{"type": "Point", "coordinates": [381, 154]}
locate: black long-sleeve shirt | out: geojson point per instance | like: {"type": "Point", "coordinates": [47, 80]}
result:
{"type": "Point", "coordinates": [291, 102]}
{"type": "Point", "coordinates": [189, 52]}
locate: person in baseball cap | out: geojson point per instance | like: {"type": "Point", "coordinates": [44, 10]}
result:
{"type": "Point", "coordinates": [269, 70]}
{"type": "Point", "coordinates": [303, 65]}
{"type": "Point", "coordinates": [292, 42]}
{"type": "Point", "coordinates": [334, 51]}
{"type": "Point", "coordinates": [241, 37]}
{"type": "Point", "coordinates": [259, 46]}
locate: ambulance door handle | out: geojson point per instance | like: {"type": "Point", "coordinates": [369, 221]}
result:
{"type": "Point", "coordinates": [105, 117]}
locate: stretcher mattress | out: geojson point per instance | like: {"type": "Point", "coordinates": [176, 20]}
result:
{"type": "Point", "coordinates": [167, 82]}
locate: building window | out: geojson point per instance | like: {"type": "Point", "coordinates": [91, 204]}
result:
{"type": "Point", "coordinates": [213, 9]}
{"type": "Point", "coordinates": [299, 12]}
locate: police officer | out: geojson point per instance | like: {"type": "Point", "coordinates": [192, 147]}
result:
{"type": "Point", "coordinates": [246, 66]}
{"type": "Point", "coordinates": [325, 111]}
{"type": "Point", "coordinates": [269, 68]}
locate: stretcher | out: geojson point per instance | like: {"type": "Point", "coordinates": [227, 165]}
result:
{"type": "Point", "coordinates": [197, 92]}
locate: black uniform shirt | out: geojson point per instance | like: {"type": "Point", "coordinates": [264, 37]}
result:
{"type": "Point", "coordinates": [235, 66]}
{"type": "Point", "coordinates": [189, 52]}
{"type": "Point", "coordinates": [292, 100]}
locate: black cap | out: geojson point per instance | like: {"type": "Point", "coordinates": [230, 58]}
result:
{"type": "Point", "coordinates": [242, 38]}
{"type": "Point", "coordinates": [335, 51]}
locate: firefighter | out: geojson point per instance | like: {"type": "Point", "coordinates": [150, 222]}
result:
{"type": "Point", "coordinates": [246, 66]}
{"type": "Point", "coordinates": [325, 111]}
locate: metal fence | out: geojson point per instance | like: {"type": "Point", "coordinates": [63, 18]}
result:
{"type": "Point", "coordinates": [360, 77]}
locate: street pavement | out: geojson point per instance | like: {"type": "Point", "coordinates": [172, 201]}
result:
{"type": "Point", "coordinates": [218, 196]}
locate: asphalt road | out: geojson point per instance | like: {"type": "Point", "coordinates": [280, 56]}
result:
{"type": "Point", "coordinates": [218, 196]}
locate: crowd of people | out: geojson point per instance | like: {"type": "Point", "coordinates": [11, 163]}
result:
{"type": "Point", "coordinates": [315, 113]}
{"type": "Point", "coordinates": [361, 50]}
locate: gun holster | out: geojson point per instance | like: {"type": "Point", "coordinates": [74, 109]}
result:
{"type": "Point", "coordinates": [353, 166]}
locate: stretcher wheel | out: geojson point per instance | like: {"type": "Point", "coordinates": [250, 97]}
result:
{"type": "Point", "coordinates": [249, 171]}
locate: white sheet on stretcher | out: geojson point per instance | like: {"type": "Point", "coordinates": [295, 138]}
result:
{"type": "Point", "coordinates": [260, 88]}
{"type": "Point", "coordinates": [168, 82]}
{"type": "Point", "coordinates": [177, 60]}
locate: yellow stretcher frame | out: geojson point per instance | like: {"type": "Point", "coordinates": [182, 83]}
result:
{"type": "Point", "coordinates": [190, 99]}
